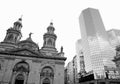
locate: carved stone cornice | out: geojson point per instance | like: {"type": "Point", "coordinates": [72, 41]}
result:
{"type": "Point", "coordinates": [60, 63]}
{"type": "Point", "coordinates": [44, 63]}
{"type": "Point", "coordinates": [36, 60]}
{"type": "Point", "coordinates": [10, 58]}
{"type": "Point", "coordinates": [43, 57]}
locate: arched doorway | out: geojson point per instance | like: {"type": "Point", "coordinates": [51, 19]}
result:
{"type": "Point", "coordinates": [20, 73]}
{"type": "Point", "coordinates": [19, 79]}
{"type": "Point", "coordinates": [46, 81]}
{"type": "Point", "coordinates": [47, 75]}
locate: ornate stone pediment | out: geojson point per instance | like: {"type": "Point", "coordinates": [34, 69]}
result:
{"type": "Point", "coordinates": [24, 51]}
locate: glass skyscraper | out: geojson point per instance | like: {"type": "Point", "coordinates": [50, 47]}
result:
{"type": "Point", "coordinates": [114, 37]}
{"type": "Point", "coordinates": [95, 42]}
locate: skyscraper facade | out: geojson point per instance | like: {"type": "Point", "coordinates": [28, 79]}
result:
{"type": "Point", "coordinates": [114, 37]}
{"type": "Point", "coordinates": [97, 50]}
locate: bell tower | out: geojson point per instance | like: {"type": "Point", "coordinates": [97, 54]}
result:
{"type": "Point", "coordinates": [14, 33]}
{"type": "Point", "coordinates": [49, 40]}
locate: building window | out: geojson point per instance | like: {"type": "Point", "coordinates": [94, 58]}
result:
{"type": "Point", "coordinates": [10, 37]}
{"type": "Point", "coordinates": [49, 42]}
{"type": "Point", "coordinates": [47, 72]}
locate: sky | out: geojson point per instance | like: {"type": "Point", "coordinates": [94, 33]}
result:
{"type": "Point", "coordinates": [37, 15]}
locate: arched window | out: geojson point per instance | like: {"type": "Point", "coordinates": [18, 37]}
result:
{"type": "Point", "coordinates": [47, 72]}
{"type": "Point", "coordinates": [49, 42]}
{"type": "Point", "coordinates": [10, 37]}
{"type": "Point", "coordinates": [47, 75]}
{"type": "Point", "coordinates": [21, 66]}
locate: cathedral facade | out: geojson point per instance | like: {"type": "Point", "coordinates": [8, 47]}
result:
{"type": "Point", "coordinates": [23, 62]}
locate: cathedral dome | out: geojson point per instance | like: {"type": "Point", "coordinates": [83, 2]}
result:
{"type": "Point", "coordinates": [29, 44]}
{"type": "Point", "coordinates": [18, 23]}
{"type": "Point", "coordinates": [51, 29]}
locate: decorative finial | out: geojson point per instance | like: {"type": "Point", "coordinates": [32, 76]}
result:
{"type": "Point", "coordinates": [21, 18]}
{"type": "Point", "coordinates": [61, 48]}
{"type": "Point", "coordinates": [51, 23]}
{"type": "Point", "coordinates": [30, 34]}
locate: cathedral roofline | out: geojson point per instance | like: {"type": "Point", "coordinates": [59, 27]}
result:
{"type": "Point", "coordinates": [44, 57]}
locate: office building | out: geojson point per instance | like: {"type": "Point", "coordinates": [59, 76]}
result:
{"type": "Point", "coordinates": [114, 37]}
{"type": "Point", "coordinates": [95, 43]}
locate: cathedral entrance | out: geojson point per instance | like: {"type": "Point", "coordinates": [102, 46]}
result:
{"type": "Point", "coordinates": [47, 75]}
{"type": "Point", "coordinates": [20, 73]}
{"type": "Point", "coordinates": [19, 81]}
{"type": "Point", "coordinates": [46, 81]}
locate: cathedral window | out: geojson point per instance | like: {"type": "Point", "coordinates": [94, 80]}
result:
{"type": "Point", "coordinates": [22, 67]}
{"type": "Point", "coordinates": [47, 71]}
{"type": "Point", "coordinates": [49, 42]}
{"type": "Point", "coordinates": [10, 37]}
{"type": "Point", "coordinates": [45, 42]}
{"type": "Point", "coordinates": [16, 38]}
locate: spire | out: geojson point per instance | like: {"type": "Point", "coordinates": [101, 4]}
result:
{"type": "Point", "coordinates": [14, 33]}
{"type": "Point", "coordinates": [50, 28]}
{"type": "Point", "coordinates": [18, 24]}
{"type": "Point", "coordinates": [50, 38]}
